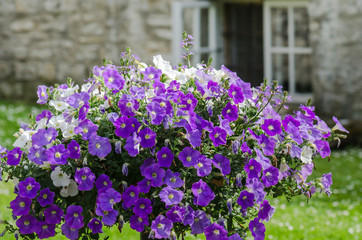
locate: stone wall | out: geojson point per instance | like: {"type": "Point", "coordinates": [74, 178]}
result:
{"type": "Point", "coordinates": [337, 43]}
{"type": "Point", "coordinates": [45, 41]}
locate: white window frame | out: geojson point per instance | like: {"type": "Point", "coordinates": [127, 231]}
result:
{"type": "Point", "coordinates": [178, 28]}
{"type": "Point", "coordinates": [291, 50]}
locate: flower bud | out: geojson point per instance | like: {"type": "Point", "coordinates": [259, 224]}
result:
{"type": "Point", "coordinates": [118, 147]}
{"type": "Point", "coordinates": [229, 205]}
{"type": "Point", "coordinates": [238, 180]}
{"type": "Point", "coordinates": [125, 169]}
{"type": "Point", "coordinates": [124, 185]}
{"type": "Point", "coordinates": [173, 236]}
{"type": "Point", "coordinates": [235, 147]}
{"type": "Point", "coordinates": [120, 223]}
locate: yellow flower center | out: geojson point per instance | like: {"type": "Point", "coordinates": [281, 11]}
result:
{"type": "Point", "coordinates": [142, 206]}
{"type": "Point", "coordinates": [85, 130]}
{"type": "Point", "coordinates": [110, 79]}
{"type": "Point", "coordinates": [57, 155]}
{"type": "Point", "coordinates": [37, 154]}
{"type": "Point", "coordinates": [105, 212]}
{"type": "Point", "coordinates": [22, 204]}
{"type": "Point", "coordinates": [75, 215]}
{"type": "Point", "coordinates": [53, 212]}
{"type": "Point", "coordinates": [251, 167]}
{"type": "Point", "coordinates": [189, 101]}
{"type": "Point", "coordinates": [132, 194]}
{"type": "Point", "coordinates": [188, 159]}
{"type": "Point", "coordinates": [200, 165]}
{"type": "Point", "coordinates": [216, 232]}
{"type": "Point", "coordinates": [245, 197]}
{"type": "Point", "coordinates": [151, 76]}
{"type": "Point", "coordinates": [42, 94]}
{"type": "Point", "coordinates": [26, 223]}
{"type": "Point", "coordinates": [123, 125]}
{"type": "Point", "coordinates": [129, 104]}
{"type": "Point", "coordinates": [139, 219]}
{"type": "Point", "coordinates": [216, 135]}
{"type": "Point", "coordinates": [98, 145]}
{"type": "Point", "coordinates": [170, 196]}
{"type": "Point", "coordinates": [173, 179]}
{"type": "Point", "coordinates": [29, 187]}
{"type": "Point", "coordinates": [164, 155]}
{"type": "Point", "coordinates": [45, 196]}
{"type": "Point", "coordinates": [45, 227]}
{"type": "Point", "coordinates": [154, 175]}
{"type": "Point", "coordinates": [268, 174]}
{"type": "Point", "coordinates": [199, 191]}
{"type": "Point", "coordinates": [84, 177]}
{"type": "Point", "coordinates": [147, 136]}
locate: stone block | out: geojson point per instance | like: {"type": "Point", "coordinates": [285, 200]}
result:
{"type": "Point", "coordinates": [22, 25]}
{"type": "Point", "coordinates": [76, 71]}
{"type": "Point", "coordinates": [94, 28]}
{"type": "Point", "coordinates": [45, 53]}
{"type": "Point", "coordinates": [46, 71]}
{"type": "Point", "coordinates": [7, 7]}
{"type": "Point", "coordinates": [6, 69]}
{"type": "Point", "coordinates": [157, 20]}
{"type": "Point", "coordinates": [26, 71]}
{"type": "Point", "coordinates": [163, 33]}
{"type": "Point", "coordinates": [20, 52]}
{"type": "Point", "coordinates": [29, 6]}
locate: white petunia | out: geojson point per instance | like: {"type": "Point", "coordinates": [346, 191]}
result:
{"type": "Point", "coordinates": [59, 105]}
{"type": "Point", "coordinates": [57, 122]}
{"type": "Point", "coordinates": [70, 190]}
{"type": "Point", "coordinates": [24, 139]}
{"type": "Point", "coordinates": [307, 153]}
{"type": "Point", "coordinates": [60, 178]}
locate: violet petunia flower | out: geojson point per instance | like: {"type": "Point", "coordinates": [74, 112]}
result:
{"type": "Point", "coordinates": [189, 216]}
{"type": "Point", "coordinates": [128, 105]}
{"type": "Point", "coordinates": [189, 156]}
{"type": "Point", "coordinates": [74, 149]}
{"type": "Point", "coordinates": [267, 144]}
{"type": "Point", "coordinates": [108, 198]}
{"type": "Point", "coordinates": [188, 102]}
{"type": "Point", "coordinates": [85, 178]}
{"type": "Point", "coordinates": [86, 128]}
{"type": "Point", "coordinates": [95, 225]}
{"type": "Point", "coordinates": [112, 79]}
{"type": "Point", "coordinates": [236, 93]}
{"type": "Point", "coordinates": [257, 188]}
{"type": "Point", "coordinates": [245, 200]}
{"type": "Point", "coordinates": [37, 154]}
{"type": "Point", "coordinates": [327, 183]}
{"type": "Point", "coordinates": [216, 232]}
{"type": "Point", "coordinates": [69, 232]}
{"type": "Point", "coordinates": [203, 166]}
{"type": "Point", "coordinates": [172, 179]}
{"type": "Point", "coordinates": [103, 182]}
{"type": "Point", "coordinates": [218, 136]}
{"type": "Point", "coordinates": [108, 217]}
{"type": "Point", "coordinates": [257, 229]}
{"type": "Point", "coordinates": [253, 168]}
{"type": "Point", "coordinates": [20, 206]}
{"type": "Point", "coordinates": [222, 163]}
{"type": "Point", "coordinates": [148, 137]}
{"type": "Point", "coordinates": [266, 211]}
{"type": "Point", "coordinates": [77, 100]}
{"type": "Point", "coordinates": [230, 112]}
{"type": "Point", "coordinates": [272, 127]}
{"type": "Point", "coordinates": [203, 194]}
{"type": "Point", "coordinates": [46, 197]}
{"type": "Point", "coordinates": [74, 217]}
{"type": "Point", "coordinates": [133, 144]}
{"type": "Point", "coordinates": [151, 73]}
{"type": "Point", "coordinates": [27, 224]}
{"type": "Point", "coordinates": [28, 188]}
{"type": "Point", "coordinates": [142, 207]}
{"type": "Point", "coordinates": [138, 222]}
{"type": "Point", "coordinates": [323, 148]}
{"type": "Point", "coordinates": [165, 157]}
{"type": "Point", "coordinates": [162, 227]}
{"type": "Point", "coordinates": [200, 222]}
{"type": "Point", "coordinates": [53, 214]}
{"type": "Point", "coordinates": [57, 154]}
{"type": "Point", "coordinates": [235, 236]}
{"type": "Point", "coordinates": [99, 146]}
{"type": "Point", "coordinates": [156, 112]}
{"type": "Point", "coordinates": [270, 176]}
{"type": "Point", "coordinates": [14, 156]}
{"type": "Point", "coordinates": [130, 196]}
{"type": "Point", "coordinates": [176, 214]}
{"type": "Point", "coordinates": [154, 173]}
{"type": "Point", "coordinates": [144, 185]}
{"type": "Point", "coordinates": [42, 94]}
{"type": "Point", "coordinates": [44, 136]}
{"type": "Point", "coordinates": [45, 230]}
{"type": "Point", "coordinates": [124, 127]}
{"type": "Point", "coordinates": [339, 126]}
{"type": "Point", "coordinates": [171, 196]}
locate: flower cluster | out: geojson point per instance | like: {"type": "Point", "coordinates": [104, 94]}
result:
{"type": "Point", "coordinates": [167, 149]}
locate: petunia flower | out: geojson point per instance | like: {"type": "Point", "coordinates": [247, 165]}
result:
{"type": "Point", "coordinates": [28, 188]}
{"type": "Point", "coordinates": [172, 179]}
{"type": "Point", "coordinates": [44, 136]}
{"type": "Point", "coordinates": [95, 225]}
{"type": "Point", "coordinates": [128, 105]}
{"type": "Point", "coordinates": [86, 128]}
{"type": "Point", "coordinates": [73, 216]}
{"type": "Point", "coordinates": [203, 194]}
{"type": "Point", "coordinates": [103, 182]}
{"type": "Point", "coordinates": [216, 232]}
{"type": "Point", "coordinates": [271, 127]}
{"type": "Point", "coordinates": [124, 127]}
{"type": "Point", "coordinates": [171, 196]}
{"type": "Point", "coordinates": [14, 156]}
{"type": "Point", "coordinates": [46, 197]}
{"type": "Point", "coordinates": [53, 214]}
{"type": "Point", "coordinates": [69, 232]}
{"type": "Point", "coordinates": [156, 112]}
{"type": "Point", "coordinates": [165, 157]}
{"type": "Point", "coordinates": [270, 176]}
{"type": "Point", "coordinates": [257, 229]}
{"type": "Point", "coordinates": [85, 178]}
{"type": "Point", "coordinates": [162, 227]}
{"type": "Point", "coordinates": [176, 213]}
{"type": "Point", "coordinates": [74, 149]}
{"type": "Point", "coordinates": [148, 137]}
{"type": "Point", "coordinates": [20, 206]}
{"type": "Point", "coordinates": [99, 146]}
{"type": "Point", "coordinates": [189, 156]}
{"type": "Point", "coordinates": [142, 207]}
{"type": "Point", "coordinates": [58, 154]}
{"type": "Point", "coordinates": [230, 112]}
{"type": "Point", "coordinates": [108, 217]}
{"type": "Point", "coordinates": [138, 223]}
{"type": "Point", "coordinates": [70, 190]}
{"type": "Point", "coordinates": [266, 211]}
{"type": "Point", "coordinates": [130, 196]}
{"type": "Point", "coordinates": [60, 178]}
{"type": "Point", "coordinates": [45, 230]}
{"type": "Point", "coordinates": [154, 173]}
{"type": "Point", "coordinates": [253, 168]}
{"type": "Point", "coordinates": [245, 200]}
{"type": "Point", "coordinates": [218, 136]}
{"type": "Point", "coordinates": [222, 163]}
{"type": "Point", "coordinates": [27, 224]}
{"type": "Point", "coordinates": [112, 79]}
{"type": "Point", "coordinates": [108, 198]}
{"type": "Point", "coordinates": [201, 221]}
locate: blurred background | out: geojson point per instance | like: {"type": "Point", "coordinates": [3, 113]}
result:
{"type": "Point", "coordinates": [312, 47]}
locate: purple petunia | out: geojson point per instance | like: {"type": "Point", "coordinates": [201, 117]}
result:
{"type": "Point", "coordinates": [74, 149]}
{"type": "Point", "coordinates": [230, 112]}
{"type": "Point", "coordinates": [222, 163]}
{"type": "Point", "coordinates": [245, 200]}
{"type": "Point", "coordinates": [203, 194]}
{"type": "Point", "coordinates": [27, 224]}
{"type": "Point", "coordinates": [266, 211]}
{"type": "Point", "coordinates": [148, 137]}
{"type": "Point", "coordinates": [218, 136]}
{"type": "Point", "coordinates": [14, 156]}
{"type": "Point", "coordinates": [165, 157]}
{"type": "Point", "coordinates": [20, 206]}
{"type": "Point", "coordinates": [44, 136]}
{"type": "Point", "coordinates": [144, 185]}
{"type": "Point", "coordinates": [108, 198]}
{"type": "Point", "coordinates": [133, 144]}
{"type": "Point", "coordinates": [272, 127]}
{"type": "Point", "coordinates": [46, 197]}
{"type": "Point", "coordinates": [53, 214]}
{"type": "Point", "coordinates": [99, 146]}
{"type": "Point", "coordinates": [58, 154]}
{"type": "Point", "coordinates": [327, 183]}
{"type": "Point", "coordinates": [95, 225]}
{"type": "Point", "coordinates": [176, 214]}
{"type": "Point", "coordinates": [253, 168]}
{"type": "Point", "coordinates": [154, 173]}
{"type": "Point", "coordinates": [203, 166]}
{"type": "Point", "coordinates": [257, 229]}
{"type": "Point", "coordinates": [323, 148]}
{"type": "Point", "coordinates": [171, 196]}
{"type": "Point", "coordinates": [270, 176]}
{"type": "Point", "coordinates": [103, 182]}
{"type": "Point", "coordinates": [156, 112]}
{"type": "Point", "coordinates": [74, 217]}
{"type": "Point", "coordinates": [216, 232]}
{"type": "Point", "coordinates": [85, 178]}
{"type": "Point", "coordinates": [189, 156]}
{"type": "Point", "coordinates": [151, 73]}
{"type": "Point", "coordinates": [42, 94]}
{"type": "Point", "coordinates": [37, 154]}
{"type": "Point", "coordinates": [200, 222]}
{"type": "Point", "coordinates": [128, 105]}
{"type": "Point", "coordinates": [130, 196]}
{"type": "Point", "coordinates": [236, 93]}
{"type": "Point", "coordinates": [69, 232]}
{"type": "Point", "coordinates": [86, 128]}
{"type": "Point", "coordinates": [142, 207]}
{"type": "Point", "coordinates": [172, 179]}
{"type": "Point", "coordinates": [138, 222]}
{"type": "Point", "coordinates": [112, 79]}
{"type": "Point", "coordinates": [28, 188]}
{"type": "Point", "coordinates": [45, 230]}
{"type": "Point", "coordinates": [162, 227]}
{"type": "Point", "coordinates": [124, 127]}
{"type": "Point", "coordinates": [108, 217]}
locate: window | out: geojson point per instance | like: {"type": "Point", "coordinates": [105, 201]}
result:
{"type": "Point", "coordinates": [198, 18]}
{"type": "Point", "coordinates": [287, 51]}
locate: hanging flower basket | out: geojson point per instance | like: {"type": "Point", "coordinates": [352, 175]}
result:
{"type": "Point", "coordinates": [168, 150]}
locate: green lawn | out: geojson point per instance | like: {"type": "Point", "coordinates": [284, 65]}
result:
{"type": "Point", "coordinates": [336, 217]}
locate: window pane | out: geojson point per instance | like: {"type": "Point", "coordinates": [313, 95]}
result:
{"type": "Point", "coordinates": [301, 27]}
{"type": "Point", "coordinates": [204, 41]}
{"type": "Point", "coordinates": [280, 64]}
{"type": "Point", "coordinates": [279, 24]}
{"type": "Point", "coordinates": [205, 57]}
{"type": "Point", "coordinates": [303, 83]}
{"type": "Point", "coordinates": [188, 18]}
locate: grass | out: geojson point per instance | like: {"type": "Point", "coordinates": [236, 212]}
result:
{"type": "Point", "coordinates": [336, 217]}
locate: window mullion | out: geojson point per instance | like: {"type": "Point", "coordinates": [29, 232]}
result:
{"type": "Point", "coordinates": [267, 43]}
{"type": "Point", "coordinates": [196, 34]}
{"type": "Point", "coordinates": [291, 50]}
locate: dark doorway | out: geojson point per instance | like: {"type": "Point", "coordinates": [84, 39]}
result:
{"type": "Point", "coordinates": [243, 40]}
